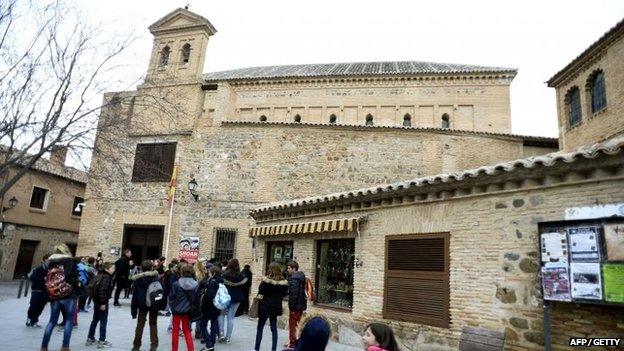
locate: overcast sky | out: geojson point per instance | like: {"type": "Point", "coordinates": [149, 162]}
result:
{"type": "Point", "coordinates": [536, 37]}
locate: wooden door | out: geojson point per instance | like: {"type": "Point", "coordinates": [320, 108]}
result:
{"type": "Point", "coordinates": [25, 258]}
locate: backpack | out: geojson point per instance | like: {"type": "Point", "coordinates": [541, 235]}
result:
{"type": "Point", "coordinates": [154, 295]}
{"type": "Point", "coordinates": [222, 298]}
{"type": "Point", "coordinates": [83, 274]}
{"type": "Point", "coordinates": [56, 283]}
{"type": "Point", "coordinates": [93, 286]}
{"type": "Point", "coordinates": [309, 290]}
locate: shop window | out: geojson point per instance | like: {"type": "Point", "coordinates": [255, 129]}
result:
{"type": "Point", "coordinates": [39, 198]}
{"type": "Point", "coordinates": [280, 252]}
{"type": "Point", "coordinates": [407, 120]}
{"type": "Point", "coordinates": [334, 273]}
{"type": "Point", "coordinates": [76, 209]}
{"type": "Point", "coordinates": [573, 106]}
{"type": "Point", "coordinates": [153, 162]}
{"type": "Point", "coordinates": [417, 279]}
{"type": "Point", "coordinates": [225, 242]}
{"type": "Point", "coordinates": [369, 120]}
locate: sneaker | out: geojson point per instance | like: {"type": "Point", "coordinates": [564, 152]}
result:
{"type": "Point", "coordinates": [60, 328]}
{"type": "Point", "coordinates": [288, 349]}
{"type": "Point", "coordinates": [169, 330]}
{"type": "Point", "coordinates": [226, 341]}
{"type": "Point", "coordinates": [90, 342]}
{"type": "Point", "coordinates": [104, 344]}
{"type": "Point", "coordinates": [36, 325]}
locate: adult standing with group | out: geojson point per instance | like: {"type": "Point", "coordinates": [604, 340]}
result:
{"type": "Point", "coordinates": [122, 267]}
{"type": "Point", "coordinates": [234, 281]}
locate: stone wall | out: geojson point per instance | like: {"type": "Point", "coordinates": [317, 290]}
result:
{"type": "Point", "coordinates": [14, 233]}
{"type": "Point", "coordinates": [494, 280]}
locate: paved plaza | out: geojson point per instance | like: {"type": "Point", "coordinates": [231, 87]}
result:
{"type": "Point", "coordinates": [120, 331]}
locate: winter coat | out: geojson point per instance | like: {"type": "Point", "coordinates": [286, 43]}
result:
{"type": "Point", "coordinates": [210, 287]}
{"type": "Point", "coordinates": [103, 288]}
{"type": "Point", "coordinates": [296, 292]}
{"type": "Point", "coordinates": [37, 277]}
{"type": "Point", "coordinates": [247, 286]}
{"type": "Point", "coordinates": [141, 282]}
{"type": "Point", "coordinates": [183, 294]}
{"type": "Point", "coordinates": [375, 348]}
{"type": "Point", "coordinates": [122, 269]}
{"type": "Point", "coordinates": [313, 333]}
{"type": "Point", "coordinates": [71, 272]}
{"type": "Point", "coordinates": [273, 292]}
{"type": "Point", "coordinates": [234, 285]}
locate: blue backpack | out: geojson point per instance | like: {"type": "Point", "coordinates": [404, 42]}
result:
{"type": "Point", "coordinates": [83, 274]}
{"type": "Point", "coordinates": [222, 298]}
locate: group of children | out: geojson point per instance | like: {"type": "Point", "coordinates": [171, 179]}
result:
{"type": "Point", "coordinates": [204, 293]}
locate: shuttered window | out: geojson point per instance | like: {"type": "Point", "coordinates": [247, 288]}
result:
{"type": "Point", "coordinates": [153, 162]}
{"type": "Point", "coordinates": [417, 279]}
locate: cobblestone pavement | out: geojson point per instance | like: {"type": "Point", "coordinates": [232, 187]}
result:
{"type": "Point", "coordinates": [16, 336]}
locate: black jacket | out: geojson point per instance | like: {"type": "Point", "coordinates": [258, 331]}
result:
{"type": "Point", "coordinates": [247, 286]}
{"type": "Point", "coordinates": [183, 294]}
{"type": "Point", "coordinates": [273, 292]}
{"type": "Point", "coordinates": [209, 288]}
{"type": "Point", "coordinates": [234, 285]}
{"type": "Point", "coordinates": [37, 277]}
{"type": "Point", "coordinates": [141, 282]}
{"type": "Point", "coordinates": [104, 288]}
{"type": "Point", "coordinates": [71, 272]}
{"type": "Point", "coordinates": [122, 269]}
{"type": "Point", "coordinates": [296, 292]}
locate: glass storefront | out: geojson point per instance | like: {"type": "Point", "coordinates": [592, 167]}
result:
{"type": "Point", "coordinates": [280, 252]}
{"type": "Point", "coordinates": [334, 283]}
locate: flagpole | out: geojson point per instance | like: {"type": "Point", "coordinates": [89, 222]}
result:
{"type": "Point", "coordinates": [169, 225]}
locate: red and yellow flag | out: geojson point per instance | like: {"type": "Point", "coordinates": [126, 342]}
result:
{"type": "Point", "coordinates": [171, 188]}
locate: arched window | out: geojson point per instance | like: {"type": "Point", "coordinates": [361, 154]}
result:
{"type": "Point", "coordinates": [297, 119]}
{"type": "Point", "coordinates": [573, 106]}
{"type": "Point", "coordinates": [407, 120]}
{"type": "Point", "coordinates": [263, 118]}
{"type": "Point", "coordinates": [446, 121]}
{"type": "Point", "coordinates": [186, 53]}
{"type": "Point", "coordinates": [369, 120]}
{"type": "Point", "coordinates": [596, 85]}
{"type": "Point", "coordinates": [164, 56]}
{"type": "Point", "coordinates": [333, 119]}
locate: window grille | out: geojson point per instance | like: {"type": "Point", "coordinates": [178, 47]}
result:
{"type": "Point", "coordinates": [225, 243]}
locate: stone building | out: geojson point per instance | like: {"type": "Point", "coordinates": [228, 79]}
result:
{"type": "Point", "coordinates": [257, 135]}
{"type": "Point", "coordinates": [435, 255]}
{"type": "Point", "coordinates": [39, 212]}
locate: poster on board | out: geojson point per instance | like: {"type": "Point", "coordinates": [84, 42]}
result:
{"type": "Point", "coordinates": [554, 247]}
{"type": "Point", "coordinates": [613, 276]}
{"type": "Point", "coordinates": [189, 249]}
{"type": "Point", "coordinates": [614, 241]}
{"type": "Point", "coordinates": [586, 282]}
{"type": "Point", "coordinates": [584, 244]}
{"type": "Point", "coordinates": [556, 282]}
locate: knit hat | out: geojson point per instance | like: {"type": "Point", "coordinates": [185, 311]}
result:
{"type": "Point", "coordinates": [315, 335]}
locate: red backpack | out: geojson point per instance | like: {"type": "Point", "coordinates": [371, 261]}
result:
{"type": "Point", "coordinates": [309, 291]}
{"type": "Point", "coordinates": [56, 283]}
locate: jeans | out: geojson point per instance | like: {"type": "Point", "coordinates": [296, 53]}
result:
{"type": "Point", "coordinates": [101, 317]}
{"type": "Point", "coordinates": [261, 322]}
{"type": "Point", "coordinates": [293, 320]}
{"type": "Point", "coordinates": [138, 333]}
{"type": "Point", "coordinates": [121, 285]}
{"type": "Point", "coordinates": [69, 305]}
{"type": "Point", "coordinates": [38, 300]}
{"type": "Point", "coordinates": [186, 328]}
{"type": "Point", "coordinates": [209, 336]}
{"type": "Point", "coordinates": [231, 313]}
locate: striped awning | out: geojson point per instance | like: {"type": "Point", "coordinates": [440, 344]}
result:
{"type": "Point", "coordinates": [329, 226]}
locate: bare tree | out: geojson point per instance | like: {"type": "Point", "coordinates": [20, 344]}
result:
{"type": "Point", "coordinates": [53, 71]}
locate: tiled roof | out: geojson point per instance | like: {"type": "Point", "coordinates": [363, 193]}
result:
{"type": "Point", "coordinates": [610, 147]}
{"type": "Point", "coordinates": [545, 141]}
{"type": "Point", "coordinates": [604, 40]}
{"type": "Point", "coordinates": [351, 69]}
{"type": "Point", "coordinates": [45, 166]}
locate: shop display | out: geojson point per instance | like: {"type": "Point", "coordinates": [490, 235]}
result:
{"type": "Point", "coordinates": [335, 272]}
{"type": "Point", "coordinates": [584, 244]}
{"type": "Point", "coordinates": [280, 252]}
{"type": "Point", "coordinates": [614, 242]}
{"type": "Point", "coordinates": [613, 276]}
{"type": "Point", "coordinates": [556, 282]}
{"type": "Point", "coordinates": [554, 247]}
{"type": "Point", "coordinates": [586, 282]}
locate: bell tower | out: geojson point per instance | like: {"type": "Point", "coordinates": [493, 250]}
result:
{"type": "Point", "coordinates": [179, 51]}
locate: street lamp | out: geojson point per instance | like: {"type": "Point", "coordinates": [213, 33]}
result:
{"type": "Point", "coordinates": [192, 186]}
{"type": "Point", "coordinates": [12, 204]}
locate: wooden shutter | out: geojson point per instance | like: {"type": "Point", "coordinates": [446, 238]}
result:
{"type": "Point", "coordinates": [417, 279]}
{"type": "Point", "coordinates": [153, 162]}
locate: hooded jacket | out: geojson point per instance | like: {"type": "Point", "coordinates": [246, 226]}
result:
{"type": "Point", "coordinates": [296, 292]}
{"type": "Point", "coordinates": [71, 272]}
{"type": "Point", "coordinates": [234, 285]}
{"type": "Point", "coordinates": [183, 294]}
{"type": "Point", "coordinates": [141, 282]}
{"type": "Point", "coordinates": [104, 289]}
{"type": "Point", "coordinates": [273, 292]}
{"type": "Point", "coordinates": [313, 332]}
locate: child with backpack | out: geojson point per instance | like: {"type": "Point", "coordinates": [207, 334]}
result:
{"type": "Point", "coordinates": [61, 284]}
{"type": "Point", "coordinates": [102, 289]}
{"type": "Point", "coordinates": [181, 298]}
{"type": "Point", "coordinates": [210, 312]}
{"type": "Point", "coordinates": [148, 297]}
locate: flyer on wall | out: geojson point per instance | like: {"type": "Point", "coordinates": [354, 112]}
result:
{"type": "Point", "coordinates": [189, 249]}
{"type": "Point", "coordinates": [584, 244]}
{"type": "Point", "coordinates": [554, 247]}
{"type": "Point", "coordinates": [586, 282]}
{"type": "Point", "coordinates": [614, 241]}
{"type": "Point", "coordinates": [556, 282]}
{"type": "Point", "coordinates": [613, 275]}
